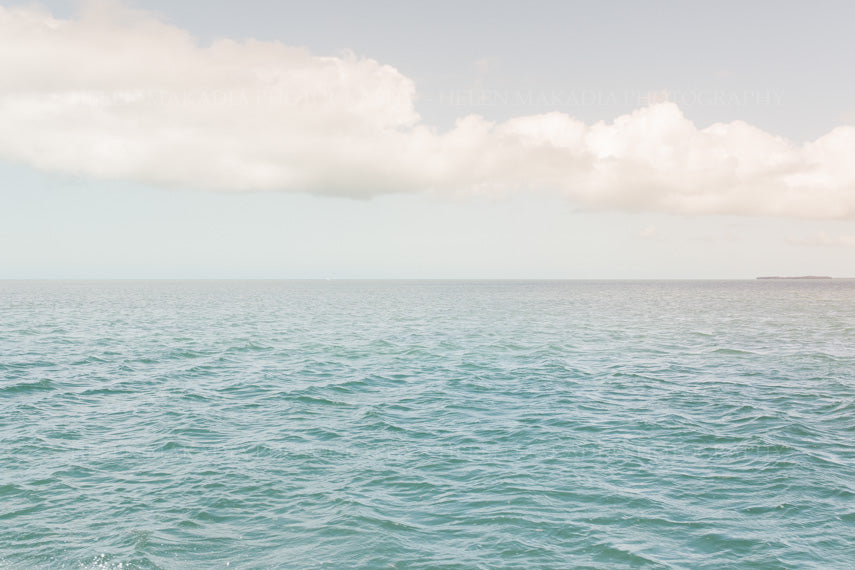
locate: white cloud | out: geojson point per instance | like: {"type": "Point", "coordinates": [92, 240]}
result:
{"type": "Point", "coordinates": [118, 94]}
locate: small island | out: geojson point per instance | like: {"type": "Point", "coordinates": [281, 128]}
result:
{"type": "Point", "coordinates": [799, 277]}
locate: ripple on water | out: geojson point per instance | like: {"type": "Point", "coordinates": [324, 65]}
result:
{"type": "Point", "coordinates": [524, 424]}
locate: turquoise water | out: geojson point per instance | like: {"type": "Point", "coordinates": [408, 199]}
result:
{"type": "Point", "coordinates": [427, 424]}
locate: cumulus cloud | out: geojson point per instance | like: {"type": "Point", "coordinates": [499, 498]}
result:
{"type": "Point", "coordinates": [118, 94]}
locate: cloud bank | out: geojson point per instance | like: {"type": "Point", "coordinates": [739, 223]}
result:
{"type": "Point", "coordinates": [119, 94]}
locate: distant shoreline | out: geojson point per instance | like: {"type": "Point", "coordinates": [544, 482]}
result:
{"type": "Point", "coordinates": [799, 277]}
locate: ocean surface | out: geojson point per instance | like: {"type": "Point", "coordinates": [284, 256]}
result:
{"type": "Point", "coordinates": [339, 424]}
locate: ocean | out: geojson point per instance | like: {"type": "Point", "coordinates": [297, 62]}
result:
{"type": "Point", "coordinates": [427, 424]}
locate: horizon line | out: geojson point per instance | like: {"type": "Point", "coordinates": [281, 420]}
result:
{"type": "Point", "coordinates": [325, 279]}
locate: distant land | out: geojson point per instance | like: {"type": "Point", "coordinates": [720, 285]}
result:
{"type": "Point", "coordinates": [800, 277]}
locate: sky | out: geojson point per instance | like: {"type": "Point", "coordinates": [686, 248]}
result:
{"type": "Point", "coordinates": [556, 140]}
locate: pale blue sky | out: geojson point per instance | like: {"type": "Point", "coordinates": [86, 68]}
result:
{"type": "Point", "coordinates": [784, 68]}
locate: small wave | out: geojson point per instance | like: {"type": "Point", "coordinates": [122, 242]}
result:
{"type": "Point", "coordinates": [92, 359]}
{"type": "Point", "coordinates": [617, 553]}
{"type": "Point", "coordinates": [107, 392]}
{"type": "Point", "coordinates": [248, 347]}
{"type": "Point", "coordinates": [42, 385]}
{"type": "Point", "coordinates": [732, 352]}
{"type": "Point", "coordinates": [320, 401]}
{"type": "Point", "coordinates": [27, 364]}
